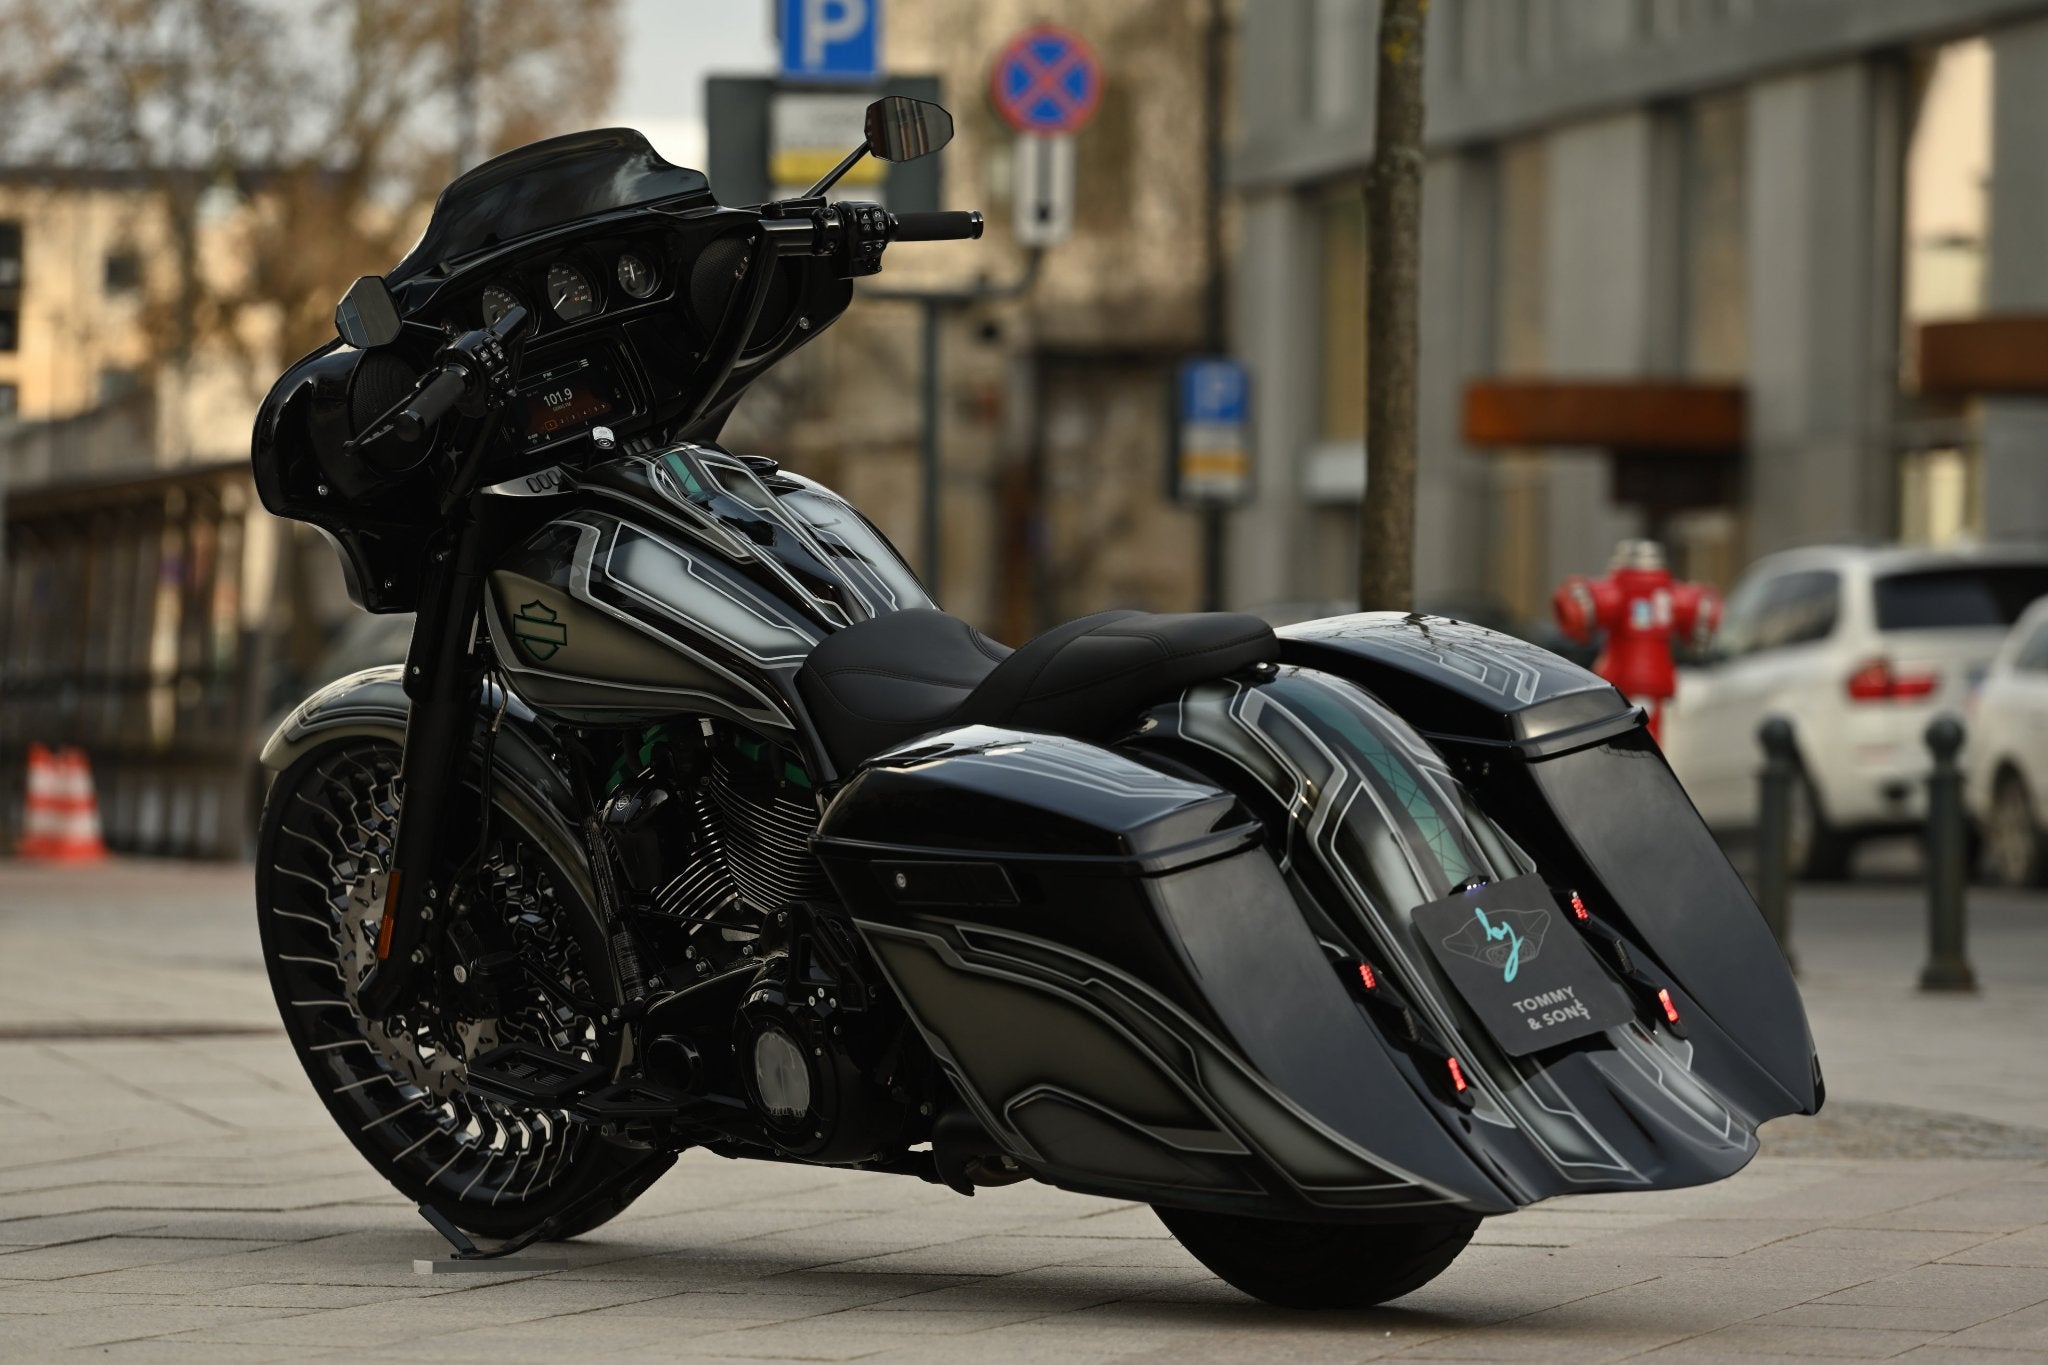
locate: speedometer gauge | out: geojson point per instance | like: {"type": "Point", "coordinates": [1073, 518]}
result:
{"type": "Point", "coordinates": [569, 292]}
{"type": "Point", "coordinates": [497, 301]}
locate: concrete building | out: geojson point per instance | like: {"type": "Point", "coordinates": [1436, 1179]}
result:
{"type": "Point", "coordinates": [1751, 205]}
{"type": "Point", "coordinates": [87, 287]}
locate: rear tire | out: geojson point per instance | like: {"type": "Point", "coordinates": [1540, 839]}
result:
{"type": "Point", "coordinates": [1319, 1265]}
{"type": "Point", "coordinates": [2015, 852]}
{"type": "Point", "coordinates": [397, 1088]}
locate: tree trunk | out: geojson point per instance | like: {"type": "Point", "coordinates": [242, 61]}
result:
{"type": "Point", "coordinates": [1393, 224]}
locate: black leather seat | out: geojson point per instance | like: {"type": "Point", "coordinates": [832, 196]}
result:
{"type": "Point", "coordinates": [902, 675]}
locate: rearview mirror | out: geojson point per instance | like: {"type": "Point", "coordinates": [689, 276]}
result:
{"type": "Point", "coordinates": [367, 316]}
{"type": "Point", "coordinates": [900, 128]}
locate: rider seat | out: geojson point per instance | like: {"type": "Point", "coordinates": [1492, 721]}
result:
{"type": "Point", "coordinates": [897, 676]}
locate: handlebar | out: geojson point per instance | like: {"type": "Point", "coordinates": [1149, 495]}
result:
{"type": "Point", "coordinates": [470, 365]}
{"type": "Point", "coordinates": [949, 226]}
{"type": "Point", "coordinates": [431, 402]}
{"type": "Point", "coordinates": [821, 232]}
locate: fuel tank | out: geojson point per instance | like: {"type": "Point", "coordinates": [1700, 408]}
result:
{"type": "Point", "coordinates": [687, 580]}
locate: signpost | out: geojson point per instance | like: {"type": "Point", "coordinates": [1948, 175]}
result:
{"type": "Point", "coordinates": [1044, 190]}
{"type": "Point", "coordinates": [831, 40]}
{"type": "Point", "coordinates": [808, 131]}
{"type": "Point", "coordinates": [1046, 84]}
{"type": "Point", "coordinates": [1212, 432]}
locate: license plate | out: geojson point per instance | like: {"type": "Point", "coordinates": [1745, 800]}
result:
{"type": "Point", "coordinates": [1521, 965]}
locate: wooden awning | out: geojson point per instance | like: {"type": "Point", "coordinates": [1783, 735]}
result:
{"type": "Point", "coordinates": [2007, 354]}
{"type": "Point", "coordinates": [1639, 415]}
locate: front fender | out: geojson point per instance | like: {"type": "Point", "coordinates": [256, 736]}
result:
{"type": "Point", "coordinates": [529, 782]}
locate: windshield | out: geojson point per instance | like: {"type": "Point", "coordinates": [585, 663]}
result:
{"type": "Point", "coordinates": [1978, 596]}
{"type": "Point", "coordinates": [542, 185]}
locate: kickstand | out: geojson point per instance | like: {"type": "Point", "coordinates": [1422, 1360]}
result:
{"type": "Point", "coordinates": [471, 1257]}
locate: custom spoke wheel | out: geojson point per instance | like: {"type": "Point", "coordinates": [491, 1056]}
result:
{"type": "Point", "coordinates": [1319, 1265]}
{"type": "Point", "coordinates": [397, 1086]}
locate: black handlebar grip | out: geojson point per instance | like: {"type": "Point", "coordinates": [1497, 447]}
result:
{"type": "Point", "coordinates": [431, 403]}
{"type": "Point", "coordinates": [950, 226]}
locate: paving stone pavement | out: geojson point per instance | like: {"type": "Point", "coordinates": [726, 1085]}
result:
{"type": "Point", "coordinates": [171, 1189]}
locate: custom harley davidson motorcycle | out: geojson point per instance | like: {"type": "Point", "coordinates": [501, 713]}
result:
{"type": "Point", "coordinates": [689, 821]}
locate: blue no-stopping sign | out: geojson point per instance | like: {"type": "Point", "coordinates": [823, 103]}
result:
{"type": "Point", "coordinates": [1046, 80]}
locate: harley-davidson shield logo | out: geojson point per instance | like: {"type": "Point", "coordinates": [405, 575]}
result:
{"type": "Point", "coordinates": [1503, 939]}
{"type": "Point", "coordinates": [537, 627]}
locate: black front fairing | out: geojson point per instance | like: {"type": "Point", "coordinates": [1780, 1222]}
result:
{"type": "Point", "coordinates": [655, 368]}
{"type": "Point", "coordinates": [545, 185]}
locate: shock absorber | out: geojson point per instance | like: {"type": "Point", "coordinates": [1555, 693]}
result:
{"type": "Point", "coordinates": [625, 948]}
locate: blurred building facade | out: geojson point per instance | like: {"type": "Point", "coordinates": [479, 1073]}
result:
{"type": "Point", "coordinates": [1737, 207]}
{"type": "Point", "coordinates": [139, 570]}
{"type": "Point", "coordinates": [1054, 435]}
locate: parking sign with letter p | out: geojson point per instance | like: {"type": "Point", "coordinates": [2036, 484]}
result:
{"type": "Point", "coordinates": [831, 40]}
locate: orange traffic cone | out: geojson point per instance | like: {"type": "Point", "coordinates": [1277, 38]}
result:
{"type": "Point", "coordinates": [63, 817]}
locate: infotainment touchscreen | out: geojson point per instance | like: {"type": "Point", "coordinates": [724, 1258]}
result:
{"type": "Point", "coordinates": [567, 398]}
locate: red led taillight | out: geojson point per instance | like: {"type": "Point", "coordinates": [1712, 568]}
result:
{"type": "Point", "coordinates": [1670, 1010]}
{"type": "Point", "coordinates": [1457, 1075]}
{"type": "Point", "coordinates": [1579, 910]}
{"type": "Point", "coordinates": [1877, 681]}
{"type": "Point", "coordinates": [1366, 977]}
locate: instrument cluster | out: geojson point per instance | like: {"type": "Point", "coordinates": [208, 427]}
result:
{"type": "Point", "coordinates": [575, 286]}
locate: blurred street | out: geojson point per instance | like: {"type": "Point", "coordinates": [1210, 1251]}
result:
{"type": "Point", "coordinates": [171, 1189]}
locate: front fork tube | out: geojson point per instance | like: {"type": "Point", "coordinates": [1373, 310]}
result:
{"type": "Point", "coordinates": [442, 675]}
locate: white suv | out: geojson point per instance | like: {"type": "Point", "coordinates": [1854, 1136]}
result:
{"type": "Point", "coordinates": [1859, 648]}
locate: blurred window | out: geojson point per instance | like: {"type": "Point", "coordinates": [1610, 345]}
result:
{"type": "Point", "coordinates": [1787, 609]}
{"type": "Point", "coordinates": [1343, 319]}
{"type": "Point", "coordinates": [1958, 599]}
{"type": "Point", "coordinates": [123, 272]}
{"type": "Point", "coordinates": [117, 384]}
{"type": "Point", "coordinates": [1948, 168]}
{"type": "Point", "coordinates": [10, 255]}
{"type": "Point", "coordinates": [1714, 224]}
{"type": "Point", "coordinates": [2033, 655]}
{"type": "Point", "coordinates": [10, 399]}
{"type": "Point", "coordinates": [10, 329]}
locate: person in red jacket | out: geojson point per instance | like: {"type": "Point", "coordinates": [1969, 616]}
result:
{"type": "Point", "coordinates": [1639, 606]}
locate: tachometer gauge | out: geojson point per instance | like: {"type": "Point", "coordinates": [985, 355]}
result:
{"type": "Point", "coordinates": [569, 292]}
{"type": "Point", "coordinates": [498, 301]}
{"type": "Point", "coordinates": [636, 277]}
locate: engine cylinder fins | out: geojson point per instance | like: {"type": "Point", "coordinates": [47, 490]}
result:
{"type": "Point", "coordinates": [766, 829]}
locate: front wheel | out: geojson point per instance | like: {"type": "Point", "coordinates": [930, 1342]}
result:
{"type": "Point", "coordinates": [397, 1086]}
{"type": "Point", "coordinates": [1319, 1265]}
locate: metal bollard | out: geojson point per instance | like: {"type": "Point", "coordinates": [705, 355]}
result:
{"type": "Point", "coordinates": [1774, 829]}
{"type": "Point", "coordinates": [1947, 968]}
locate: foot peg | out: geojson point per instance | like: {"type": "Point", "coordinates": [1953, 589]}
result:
{"type": "Point", "coordinates": [630, 1101]}
{"type": "Point", "coordinates": [520, 1074]}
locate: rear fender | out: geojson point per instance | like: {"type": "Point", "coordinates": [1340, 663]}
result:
{"type": "Point", "coordinates": [1563, 765]}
